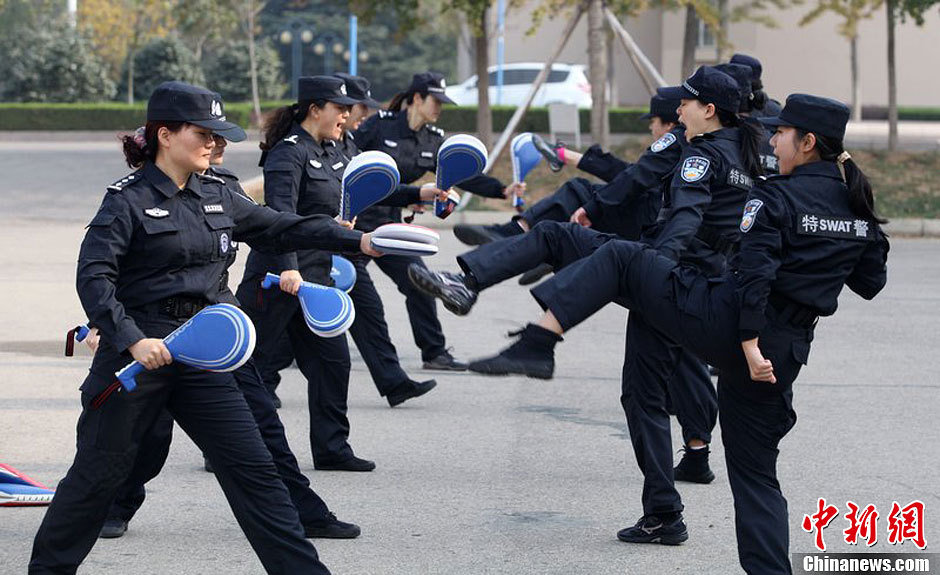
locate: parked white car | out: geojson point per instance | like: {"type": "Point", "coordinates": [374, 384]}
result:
{"type": "Point", "coordinates": [566, 84]}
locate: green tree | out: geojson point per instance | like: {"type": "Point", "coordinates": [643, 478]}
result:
{"type": "Point", "coordinates": [52, 63]}
{"type": "Point", "coordinates": [851, 12]}
{"type": "Point", "coordinates": [228, 71]}
{"type": "Point", "coordinates": [164, 59]}
{"type": "Point", "coordinates": [902, 9]}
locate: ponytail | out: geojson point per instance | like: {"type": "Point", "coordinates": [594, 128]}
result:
{"type": "Point", "coordinates": [395, 105]}
{"type": "Point", "coordinates": [759, 100]}
{"type": "Point", "coordinates": [278, 123]}
{"type": "Point", "coordinates": [752, 136]}
{"type": "Point", "coordinates": [142, 145]}
{"type": "Point", "coordinates": [861, 198]}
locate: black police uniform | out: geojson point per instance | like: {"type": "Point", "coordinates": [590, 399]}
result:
{"type": "Point", "coordinates": [151, 258]}
{"type": "Point", "coordinates": [697, 227]}
{"type": "Point", "coordinates": [415, 152]}
{"type": "Point", "coordinates": [155, 446]}
{"type": "Point", "coordinates": [370, 330]}
{"type": "Point", "coordinates": [303, 176]}
{"type": "Point", "coordinates": [801, 242]}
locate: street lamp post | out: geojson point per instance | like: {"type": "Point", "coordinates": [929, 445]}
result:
{"type": "Point", "coordinates": [327, 46]}
{"type": "Point", "coordinates": [297, 33]}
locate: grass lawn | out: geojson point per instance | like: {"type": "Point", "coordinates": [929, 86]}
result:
{"type": "Point", "coordinates": [906, 184]}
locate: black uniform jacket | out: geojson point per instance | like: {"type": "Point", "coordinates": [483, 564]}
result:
{"type": "Point", "coordinates": [151, 240]}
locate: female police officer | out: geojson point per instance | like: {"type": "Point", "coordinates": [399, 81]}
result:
{"type": "Point", "coordinates": [302, 175]}
{"type": "Point", "coordinates": [806, 233]}
{"type": "Point", "coordinates": [410, 137]}
{"type": "Point", "coordinates": [151, 258]}
{"type": "Point", "coordinates": [698, 227]}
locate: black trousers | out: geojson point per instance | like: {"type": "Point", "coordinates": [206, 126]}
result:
{"type": "Point", "coordinates": [155, 447]}
{"type": "Point", "coordinates": [370, 332]}
{"type": "Point", "coordinates": [422, 308]}
{"type": "Point", "coordinates": [560, 205]}
{"type": "Point", "coordinates": [701, 314]}
{"type": "Point", "coordinates": [323, 361]}
{"type": "Point", "coordinates": [212, 411]}
{"type": "Point", "coordinates": [655, 369]}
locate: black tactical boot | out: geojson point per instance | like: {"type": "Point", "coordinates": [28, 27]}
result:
{"type": "Point", "coordinates": [533, 355]}
{"type": "Point", "coordinates": [693, 468]}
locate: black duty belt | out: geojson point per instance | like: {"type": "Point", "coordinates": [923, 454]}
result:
{"type": "Point", "coordinates": [716, 240]}
{"type": "Point", "coordinates": [792, 312]}
{"type": "Point", "coordinates": [179, 307]}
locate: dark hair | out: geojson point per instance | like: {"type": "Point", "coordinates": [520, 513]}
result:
{"type": "Point", "coordinates": [277, 124]}
{"type": "Point", "coordinates": [138, 150]}
{"type": "Point", "coordinates": [752, 135]}
{"type": "Point", "coordinates": [405, 97]}
{"type": "Point", "coordinates": [759, 98]}
{"type": "Point", "coordinates": [861, 198]}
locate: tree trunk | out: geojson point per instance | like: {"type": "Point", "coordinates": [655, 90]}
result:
{"type": "Point", "coordinates": [892, 80]}
{"type": "Point", "coordinates": [689, 42]}
{"type": "Point", "coordinates": [856, 82]}
{"type": "Point", "coordinates": [597, 60]}
{"type": "Point", "coordinates": [253, 63]}
{"type": "Point", "coordinates": [130, 76]}
{"type": "Point", "coordinates": [723, 31]}
{"type": "Point", "coordinates": [482, 60]}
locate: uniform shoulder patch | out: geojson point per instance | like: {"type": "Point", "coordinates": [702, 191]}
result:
{"type": "Point", "coordinates": [386, 114]}
{"type": "Point", "coordinates": [750, 214]}
{"type": "Point", "coordinates": [222, 172]}
{"type": "Point", "coordinates": [124, 182]}
{"type": "Point", "coordinates": [291, 139]}
{"type": "Point", "coordinates": [740, 179]}
{"type": "Point", "coordinates": [694, 168]}
{"type": "Point", "coordinates": [211, 178]}
{"type": "Point", "coordinates": [661, 144]}
{"type": "Point", "coordinates": [434, 130]}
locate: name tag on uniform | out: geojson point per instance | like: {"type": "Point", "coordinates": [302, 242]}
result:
{"type": "Point", "coordinates": [739, 179]}
{"type": "Point", "coordinates": [391, 144]}
{"type": "Point", "coordinates": [213, 209]}
{"type": "Point", "coordinates": [157, 213]}
{"type": "Point", "coordinates": [316, 164]}
{"type": "Point", "coordinates": [833, 227]}
{"type": "Point", "coordinates": [427, 154]}
{"type": "Point", "coordinates": [337, 166]}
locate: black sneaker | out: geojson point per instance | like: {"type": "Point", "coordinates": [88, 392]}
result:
{"type": "Point", "coordinates": [535, 274]}
{"type": "Point", "coordinates": [477, 235]}
{"type": "Point", "coordinates": [351, 463]}
{"type": "Point", "coordinates": [408, 390]}
{"type": "Point", "coordinates": [331, 528]}
{"type": "Point", "coordinates": [533, 355]}
{"type": "Point", "coordinates": [652, 529]}
{"type": "Point", "coordinates": [445, 362]}
{"type": "Point", "coordinates": [548, 152]}
{"type": "Point", "coordinates": [693, 467]}
{"type": "Point", "coordinates": [448, 287]}
{"type": "Point", "coordinates": [113, 528]}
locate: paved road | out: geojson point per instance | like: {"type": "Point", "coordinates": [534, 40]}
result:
{"type": "Point", "coordinates": [501, 476]}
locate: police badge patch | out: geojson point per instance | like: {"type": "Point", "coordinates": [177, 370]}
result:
{"type": "Point", "coordinates": [750, 214]}
{"type": "Point", "coordinates": [663, 143]}
{"type": "Point", "coordinates": [223, 243]}
{"type": "Point", "coordinates": [694, 168]}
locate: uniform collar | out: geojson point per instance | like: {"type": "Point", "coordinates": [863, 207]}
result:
{"type": "Point", "coordinates": [820, 168]}
{"type": "Point", "coordinates": [165, 185]}
{"type": "Point", "coordinates": [726, 134]}
{"type": "Point", "coordinates": [309, 141]}
{"type": "Point", "coordinates": [403, 128]}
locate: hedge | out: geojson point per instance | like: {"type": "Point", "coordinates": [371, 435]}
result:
{"type": "Point", "coordinates": [116, 116]}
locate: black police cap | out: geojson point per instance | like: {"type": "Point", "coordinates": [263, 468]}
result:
{"type": "Point", "coordinates": [743, 75]}
{"type": "Point", "coordinates": [816, 114]}
{"type": "Point", "coordinates": [709, 86]}
{"type": "Point", "coordinates": [430, 83]}
{"type": "Point", "coordinates": [662, 108]}
{"type": "Point", "coordinates": [182, 102]}
{"type": "Point", "coordinates": [749, 61]}
{"type": "Point", "coordinates": [329, 88]}
{"type": "Point", "coordinates": [358, 88]}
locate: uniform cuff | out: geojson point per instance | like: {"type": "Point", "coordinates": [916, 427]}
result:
{"type": "Point", "coordinates": [750, 324]}
{"type": "Point", "coordinates": [593, 210]}
{"type": "Point", "coordinates": [127, 335]}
